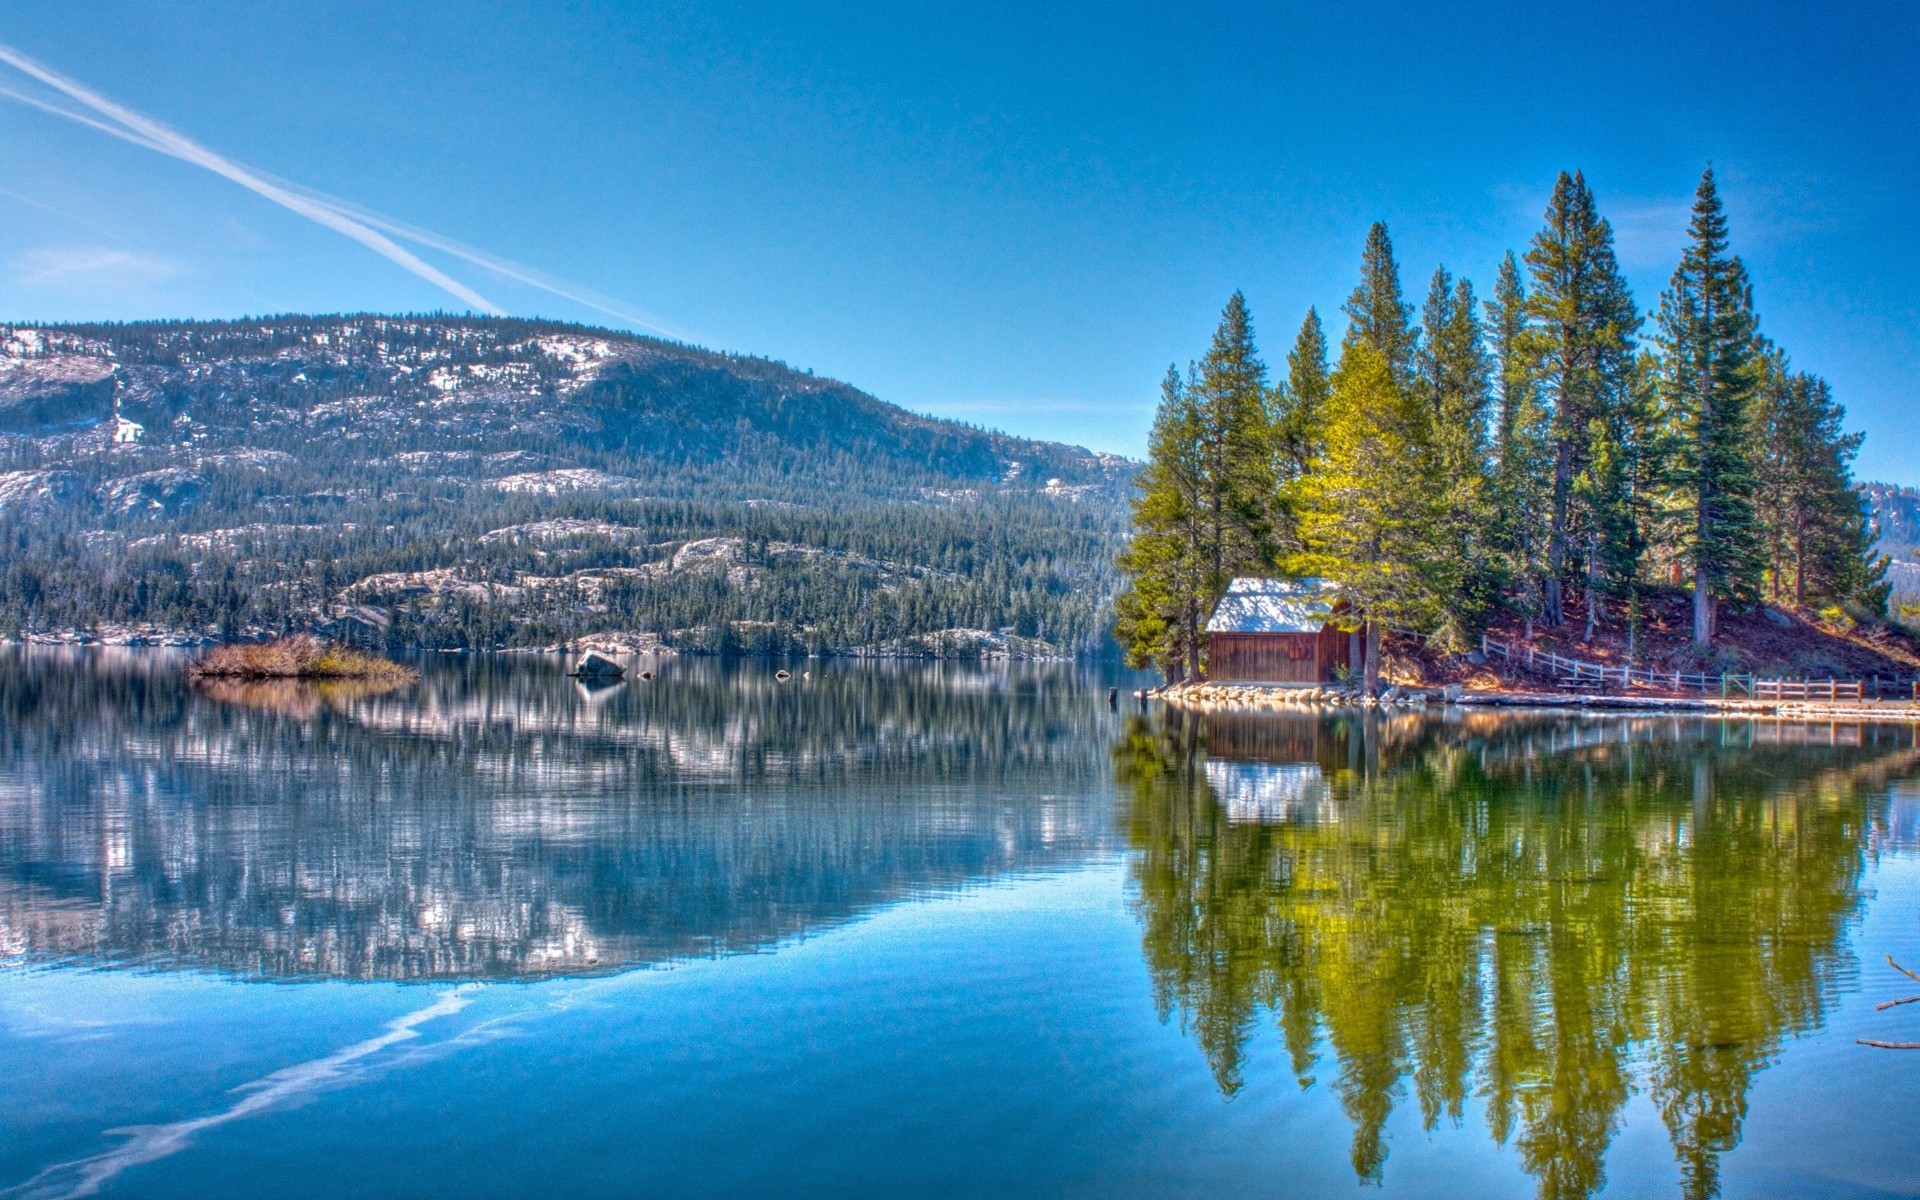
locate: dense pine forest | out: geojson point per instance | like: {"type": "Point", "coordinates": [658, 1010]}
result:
{"type": "Point", "coordinates": [482, 483]}
{"type": "Point", "coordinates": [1552, 454]}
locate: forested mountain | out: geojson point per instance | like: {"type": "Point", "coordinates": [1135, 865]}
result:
{"type": "Point", "coordinates": [459, 481]}
{"type": "Point", "coordinates": [1896, 517]}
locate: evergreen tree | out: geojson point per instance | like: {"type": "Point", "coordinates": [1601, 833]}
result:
{"type": "Point", "coordinates": [1160, 610]}
{"type": "Point", "coordinates": [1522, 442]}
{"type": "Point", "coordinates": [1583, 321]}
{"type": "Point", "coordinates": [1371, 511]}
{"type": "Point", "coordinates": [1610, 537]}
{"type": "Point", "coordinates": [1818, 538]}
{"type": "Point", "coordinates": [1301, 415]}
{"type": "Point", "coordinates": [1377, 314]}
{"type": "Point", "coordinates": [1455, 381]}
{"type": "Point", "coordinates": [1238, 486]}
{"type": "Point", "coordinates": [1707, 332]}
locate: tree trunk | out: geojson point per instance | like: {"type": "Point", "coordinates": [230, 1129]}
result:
{"type": "Point", "coordinates": [1373, 658]}
{"type": "Point", "coordinates": [1555, 613]}
{"type": "Point", "coordinates": [1593, 590]}
{"type": "Point", "coordinates": [1193, 638]}
{"type": "Point", "coordinates": [1800, 564]}
{"type": "Point", "coordinates": [1702, 609]}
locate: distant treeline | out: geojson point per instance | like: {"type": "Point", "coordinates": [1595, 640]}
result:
{"type": "Point", "coordinates": [1543, 453]}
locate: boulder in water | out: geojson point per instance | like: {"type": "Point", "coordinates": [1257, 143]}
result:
{"type": "Point", "coordinates": [596, 665]}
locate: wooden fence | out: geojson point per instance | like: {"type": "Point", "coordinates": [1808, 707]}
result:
{"type": "Point", "coordinates": [1573, 673]}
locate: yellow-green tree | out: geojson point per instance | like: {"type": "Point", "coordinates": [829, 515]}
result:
{"type": "Point", "coordinates": [1371, 508]}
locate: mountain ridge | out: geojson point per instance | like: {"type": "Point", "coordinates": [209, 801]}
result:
{"type": "Point", "coordinates": [437, 480]}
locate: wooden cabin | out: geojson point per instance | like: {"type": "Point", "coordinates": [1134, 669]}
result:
{"type": "Point", "coordinates": [1276, 631]}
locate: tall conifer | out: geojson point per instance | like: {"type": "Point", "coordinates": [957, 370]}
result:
{"type": "Point", "coordinates": [1239, 487]}
{"type": "Point", "coordinates": [1159, 613]}
{"type": "Point", "coordinates": [1818, 538]}
{"type": "Point", "coordinates": [1455, 378]}
{"type": "Point", "coordinates": [1377, 313]}
{"type": "Point", "coordinates": [1522, 443]}
{"type": "Point", "coordinates": [1583, 323]}
{"type": "Point", "coordinates": [1707, 333]}
{"type": "Point", "coordinates": [1303, 412]}
{"type": "Point", "coordinates": [1371, 508]}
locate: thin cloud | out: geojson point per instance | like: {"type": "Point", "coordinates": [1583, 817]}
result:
{"type": "Point", "coordinates": [158, 137]}
{"type": "Point", "coordinates": [68, 266]}
{"type": "Point", "coordinates": [1649, 232]}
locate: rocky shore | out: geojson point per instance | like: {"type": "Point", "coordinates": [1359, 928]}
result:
{"type": "Point", "coordinates": [1251, 697]}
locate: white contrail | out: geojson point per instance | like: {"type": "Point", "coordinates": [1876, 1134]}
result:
{"type": "Point", "coordinates": [149, 1143]}
{"type": "Point", "coordinates": [499, 266]}
{"type": "Point", "coordinates": [506, 268]}
{"type": "Point", "coordinates": [79, 118]}
{"type": "Point", "coordinates": [166, 141]}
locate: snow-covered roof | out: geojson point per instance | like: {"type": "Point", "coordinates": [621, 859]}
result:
{"type": "Point", "coordinates": [1274, 606]}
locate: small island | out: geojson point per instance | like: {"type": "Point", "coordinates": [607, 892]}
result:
{"type": "Point", "coordinates": [301, 656]}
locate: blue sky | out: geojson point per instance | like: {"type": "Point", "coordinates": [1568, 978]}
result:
{"type": "Point", "coordinates": [1014, 215]}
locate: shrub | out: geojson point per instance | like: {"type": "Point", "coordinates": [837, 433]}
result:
{"type": "Point", "coordinates": [299, 657]}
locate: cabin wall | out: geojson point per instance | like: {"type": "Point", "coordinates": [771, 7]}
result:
{"type": "Point", "coordinates": [1263, 657]}
{"type": "Point", "coordinates": [1303, 658]}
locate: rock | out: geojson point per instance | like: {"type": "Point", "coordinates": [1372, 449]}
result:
{"type": "Point", "coordinates": [1776, 617]}
{"type": "Point", "coordinates": [1453, 693]}
{"type": "Point", "coordinates": [1476, 658]}
{"type": "Point", "coordinates": [1391, 695]}
{"type": "Point", "coordinates": [595, 665]}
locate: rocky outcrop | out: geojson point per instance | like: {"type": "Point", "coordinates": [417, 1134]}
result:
{"type": "Point", "coordinates": [595, 665]}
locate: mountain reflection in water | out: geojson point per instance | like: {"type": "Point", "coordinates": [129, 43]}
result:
{"type": "Point", "coordinates": [497, 820]}
{"type": "Point", "coordinates": [1544, 914]}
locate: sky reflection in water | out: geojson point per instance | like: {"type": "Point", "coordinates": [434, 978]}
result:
{"type": "Point", "coordinates": [933, 930]}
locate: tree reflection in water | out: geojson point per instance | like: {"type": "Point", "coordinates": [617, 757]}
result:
{"type": "Point", "coordinates": [1546, 914]}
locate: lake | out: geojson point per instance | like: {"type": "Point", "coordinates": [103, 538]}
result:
{"type": "Point", "coordinates": [935, 930]}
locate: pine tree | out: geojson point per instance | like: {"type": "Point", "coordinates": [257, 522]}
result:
{"type": "Point", "coordinates": [1610, 537]}
{"type": "Point", "coordinates": [1159, 612]}
{"type": "Point", "coordinates": [1371, 510]}
{"type": "Point", "coordinates": [1208, 508]}
{"type": "Point", "coordinates": [1522, 445]}
{"type": "Point", "coordinates": [1455, 382]}
{"type": "Point", "coordinates": [1301, 413]}
{"type": "Point", "coordinates": [1377, 314]}
{"type": "Point", "coordinates": [1817, 535]}
{"type": "Point", "coordinates": [1583, 322]}
{"type": "Point", "coordinates": [1238, 487]}
{"type": "Point", "coordinates": [1707, 334]}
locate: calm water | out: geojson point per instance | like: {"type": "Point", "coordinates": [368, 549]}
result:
{"type": "Point", "coordinates": [934, 931]}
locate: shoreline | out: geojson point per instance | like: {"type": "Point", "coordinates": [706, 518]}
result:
{"type": "Point", "coordinates": [622, 646]}
{"type": "Point", "coordinates": [1248, 697]}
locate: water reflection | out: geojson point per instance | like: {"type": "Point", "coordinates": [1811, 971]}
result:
{"type": "Point", "coordinates": [1546, 915]}
{"type": "Point", "coordinates": [495, 820]}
